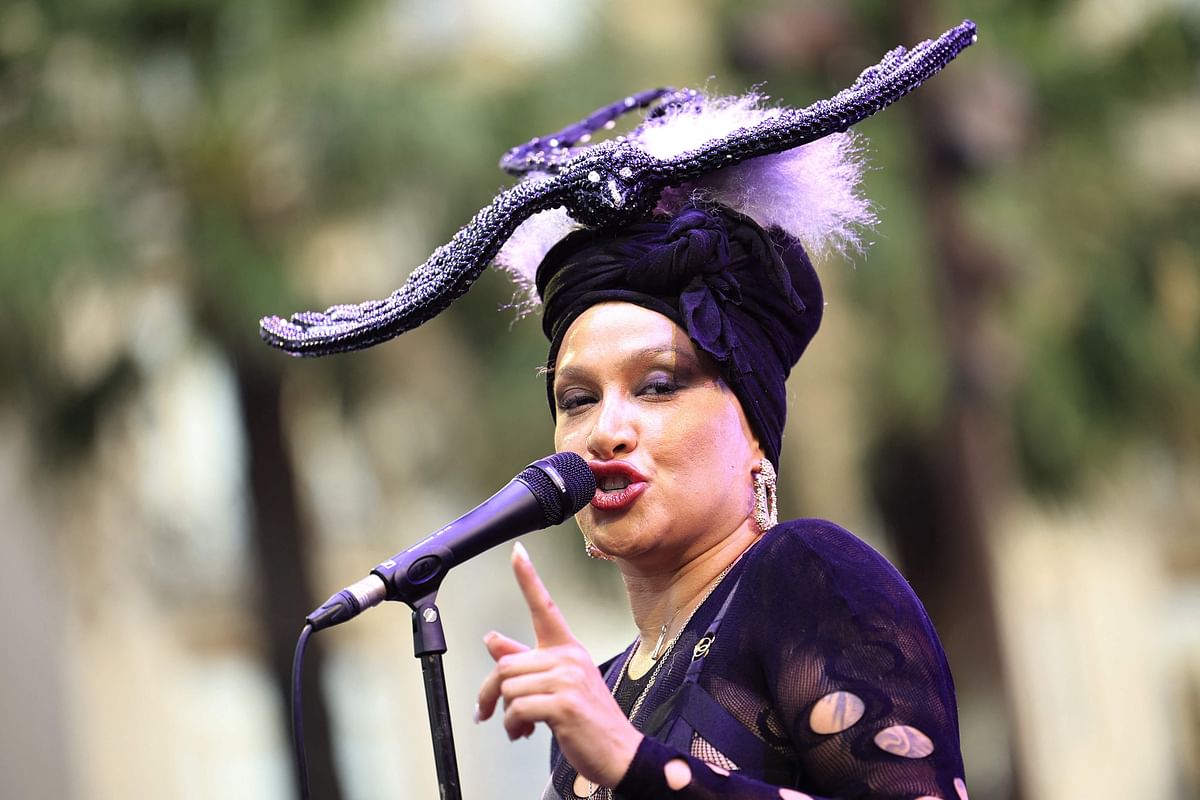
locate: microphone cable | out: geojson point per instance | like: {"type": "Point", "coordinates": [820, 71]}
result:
{"type": "Point", "coordinates": [298, 712]}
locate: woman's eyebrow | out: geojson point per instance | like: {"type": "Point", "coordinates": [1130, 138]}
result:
{"type": "Point", "coordinates": [680, 357]}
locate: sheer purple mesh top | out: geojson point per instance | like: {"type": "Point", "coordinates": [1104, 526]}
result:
{"type": "Point", "coordinates": [812, 668]}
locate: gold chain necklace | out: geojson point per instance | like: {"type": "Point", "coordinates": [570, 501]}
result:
{"type": "Point", "coordinates": [637, 704]}
{"type": "Point", "coordinates": [600, 792]}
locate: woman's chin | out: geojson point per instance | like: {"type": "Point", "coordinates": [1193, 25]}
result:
{"type": "Point", "coordinates": [613, 537]}
{"type": "Point", "coordinates": [624, 543]}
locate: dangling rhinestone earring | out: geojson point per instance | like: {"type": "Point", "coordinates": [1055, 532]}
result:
{"type": "Point", "coordinates": [766, 511]}
{"type": "Point", "coordinates": [594, 552]}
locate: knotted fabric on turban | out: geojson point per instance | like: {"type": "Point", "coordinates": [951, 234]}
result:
{"type": "Point", "coordinates": [748, 297]}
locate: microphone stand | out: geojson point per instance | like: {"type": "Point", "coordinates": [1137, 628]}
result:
{"type": "Point", "coordinates": [538, 497]}
{"type": "Point", "coordinates": [429, 642]}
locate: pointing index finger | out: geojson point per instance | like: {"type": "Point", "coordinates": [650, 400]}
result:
{"type": "Point", "coordinates": [548, 623]}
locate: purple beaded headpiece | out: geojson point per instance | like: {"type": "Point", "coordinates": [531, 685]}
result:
{"type": "Point", "coordinates": [568, 183]}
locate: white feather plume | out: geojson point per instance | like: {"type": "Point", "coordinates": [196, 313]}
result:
{"type": "Point", "coordinates": [525, 249]}
{"type": "Point", "coordinates": [689, 126]}
{"type": "Point", "coordinates": [812, 192]}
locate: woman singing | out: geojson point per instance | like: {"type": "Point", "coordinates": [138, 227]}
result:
{"type": "Point", "coordinates": [768, 655]}
{"type": "Point", "coordinates": [771, 659]}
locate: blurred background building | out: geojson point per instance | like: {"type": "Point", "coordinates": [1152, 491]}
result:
{"type": "Point", "coordinates": [1005, 398]}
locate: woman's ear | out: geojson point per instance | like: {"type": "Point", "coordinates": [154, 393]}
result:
{"type": "Point", "coordinates": [757, 454]}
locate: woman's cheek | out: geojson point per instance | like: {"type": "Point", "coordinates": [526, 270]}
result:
{"type": "Point", "coordinates": [566, 439]}
{"type": "Point", "coordinates": [562, 432]}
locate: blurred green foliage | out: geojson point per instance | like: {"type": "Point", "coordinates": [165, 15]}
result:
{"type": "Point", "coordinates": [204, 142]}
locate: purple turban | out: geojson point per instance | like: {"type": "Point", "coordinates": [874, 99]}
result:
{"type": "Point", "coordinates": [747, 297]}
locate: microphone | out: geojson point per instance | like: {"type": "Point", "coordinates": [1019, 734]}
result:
{"type": "Point", "coordinates": [545, 493]}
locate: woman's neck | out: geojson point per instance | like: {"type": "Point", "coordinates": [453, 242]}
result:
{"type": "Point", "coordinates": [669, 597]}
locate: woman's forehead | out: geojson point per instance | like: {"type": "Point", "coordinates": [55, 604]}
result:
{"type": "Point", "coordinates": [609, 332]}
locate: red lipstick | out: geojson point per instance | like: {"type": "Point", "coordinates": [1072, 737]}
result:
{"type": "Point", "coordinates": [613, 474]}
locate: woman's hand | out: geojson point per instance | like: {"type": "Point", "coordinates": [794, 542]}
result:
{"type": "Point", "coordinates": [557, 683]}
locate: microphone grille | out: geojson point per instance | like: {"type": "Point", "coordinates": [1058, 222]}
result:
{"type": "Point", "coordinates": [563, 484]}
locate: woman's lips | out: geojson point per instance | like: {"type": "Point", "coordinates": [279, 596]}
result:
{"type": "Point", "coordinates": [621, 498]}
{"type": "Point", "coordinates": [617, 499]}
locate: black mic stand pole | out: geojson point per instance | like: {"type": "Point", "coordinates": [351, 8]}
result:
{"type": "Point", "coordinates": [429, 642]}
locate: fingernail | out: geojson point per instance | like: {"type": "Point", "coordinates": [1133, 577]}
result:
{"type": "Point", "coordinates": [475, 715]}
{"type": "Point", "coordinates": [487, 638]}
{"type": "Point", "coordinates": [520, 552]}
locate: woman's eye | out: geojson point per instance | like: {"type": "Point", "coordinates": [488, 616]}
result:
{"type": "Point", "coordinates": [657, 387]}
{"type": "Point", "coordinates": [573, 398]}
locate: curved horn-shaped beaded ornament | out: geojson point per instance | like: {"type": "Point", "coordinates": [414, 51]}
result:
{"type": "Point", "coordinates": [610, 183]}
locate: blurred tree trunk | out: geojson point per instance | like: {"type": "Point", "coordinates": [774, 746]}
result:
{"type": "Point", "coordinates": [281, 547]}
{"type": "Point", "coordinates": [939, 492]}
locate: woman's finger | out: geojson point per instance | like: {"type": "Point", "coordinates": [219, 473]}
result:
{"type": "Point", "coordinates": [489, 693]}
{"type": "Point", "coordinates": [518, 730]}
{"type": "Point", "coordinates": [522, 713]}
{"type": "Point", "coordinates": [498, 645]}
{"type": "Point", "coordinates": [548, 623]}
{"type": "Point", "coordinates": [547, 682]}
{"type": "Point", "coordinates": [510, 665]}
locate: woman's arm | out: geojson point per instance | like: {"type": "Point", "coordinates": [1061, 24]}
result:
{"type": "Point", "coordinates": [828, 654]}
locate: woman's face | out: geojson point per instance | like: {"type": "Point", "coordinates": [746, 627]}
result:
{"type": "Point", "coordinates": [671, 448]}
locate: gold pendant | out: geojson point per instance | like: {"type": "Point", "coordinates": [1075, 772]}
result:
{"type": "Point", "coordinates": [662, 636]}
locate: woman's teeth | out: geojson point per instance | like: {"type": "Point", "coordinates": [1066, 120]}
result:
{"type": "Point", "coordinates": [613, 484]}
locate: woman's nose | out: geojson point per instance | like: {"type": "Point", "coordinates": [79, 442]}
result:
{"type": "Point", "coordinates": [615, 432]}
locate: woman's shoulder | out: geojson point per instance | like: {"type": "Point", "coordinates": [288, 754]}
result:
{"type": "Point", "coordinates": [815, 556]}
{"type": "Point", "coordinates": [815, 542]}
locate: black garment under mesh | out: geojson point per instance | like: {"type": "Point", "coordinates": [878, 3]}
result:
{"type": "Point", "coordinates": [816, 612]}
